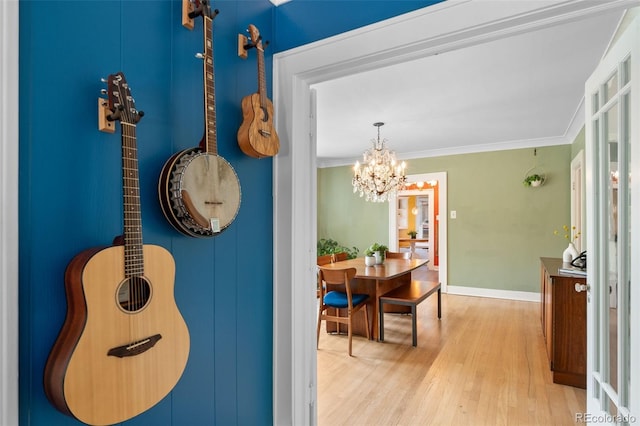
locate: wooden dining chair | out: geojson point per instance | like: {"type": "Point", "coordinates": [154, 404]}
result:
{"type": "Point", "coordinates": [341, 298]}
{"type": "Point", "coordinates": [325, 259]}
{"type": "Point", "coordinates": [398, 255]}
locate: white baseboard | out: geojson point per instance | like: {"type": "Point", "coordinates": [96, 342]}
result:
{"type": "Point", "coordinates": [525, 296]}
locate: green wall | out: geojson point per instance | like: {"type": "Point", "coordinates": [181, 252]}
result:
{"type": "Point", "coordinates": [502, 227]}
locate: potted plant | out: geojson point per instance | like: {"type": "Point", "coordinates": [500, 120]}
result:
{"type": "Point", "coordinates": [378, 251]}
{"type": "Point", "coordinates": [533, 180]}
{"type": "Point", "coordinates": [369, 258]}
{"type": "Point", "coordinates": [412, 234]}
{"type": "Point", "coordinates": [330, 246]}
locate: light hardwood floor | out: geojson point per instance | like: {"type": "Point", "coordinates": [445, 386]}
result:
{"type": "Point", "coordinates": [483, 363]}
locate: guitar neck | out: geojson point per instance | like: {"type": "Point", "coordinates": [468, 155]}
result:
{"type": "Point", "coordinates": [211, 143]}
{"type": "Point", "coordinates": [262, 84]}
{"type": "Point", "coordinates": [133, 256]}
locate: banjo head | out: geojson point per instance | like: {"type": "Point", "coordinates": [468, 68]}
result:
{"type": "Point", "coordinates": [203, 194]}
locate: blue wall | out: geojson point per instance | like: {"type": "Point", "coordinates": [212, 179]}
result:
{"type": "Point", "coordinates": [70, 182]}
{"type": "Point", "coordinates": [304, 21]}
{"type": "Point", "coordinates": [70, 192]}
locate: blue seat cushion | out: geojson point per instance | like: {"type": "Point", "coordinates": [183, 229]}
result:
{"type": "Point", "coordinates": [338, 299]}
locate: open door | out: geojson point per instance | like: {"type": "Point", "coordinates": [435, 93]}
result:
{"type": "Point", "coordinates": [613, 237]}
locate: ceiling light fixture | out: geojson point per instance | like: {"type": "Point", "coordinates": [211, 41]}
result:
{"type": "Point", "coordinates": [379, 179]}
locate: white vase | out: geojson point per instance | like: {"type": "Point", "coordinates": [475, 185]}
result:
{"type": "Point", "coordinates": [379, 257]}
{"type": "Point", "coordinates": [369, 260]}
{"type": "Point", "coordinates": [569, 253]}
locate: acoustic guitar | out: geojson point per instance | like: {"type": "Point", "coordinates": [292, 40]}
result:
{"type": "Point", "coordinates": [124, 344]}
{"type": "Point", "coordinates": [198, 189]}
{"type": "Point", "coordinates": [256, 136]}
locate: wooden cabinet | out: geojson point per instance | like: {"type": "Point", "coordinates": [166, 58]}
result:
{"type": "Point", "coordinates": [563, 312]}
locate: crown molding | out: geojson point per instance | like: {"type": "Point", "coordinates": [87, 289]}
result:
{"type": "Point", "coordinates": [470, 149]}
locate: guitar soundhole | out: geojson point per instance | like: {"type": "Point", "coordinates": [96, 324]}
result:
{"type": "Point", "coordinates": [134, 294]}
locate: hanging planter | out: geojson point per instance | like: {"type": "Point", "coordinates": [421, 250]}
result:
{"type": "Point", "coordinates": [534, 180]}
{"type": "Point", "coordinates": [535, 176]}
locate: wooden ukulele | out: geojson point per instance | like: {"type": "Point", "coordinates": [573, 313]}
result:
{"type": "Point", "coordinates": [124, 344]}
{"type": "Point", "coordinates": [198, 189]}
{"type": "Point", "coordinates": [256, 136]}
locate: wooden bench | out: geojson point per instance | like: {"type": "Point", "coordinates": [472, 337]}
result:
{"type": "Point", "coordinates": [410, 295]}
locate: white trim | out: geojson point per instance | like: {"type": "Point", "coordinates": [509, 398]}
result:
{"type": "Point", "coordinates": [576, 124]}
{"type": "Point", "coordinates": [9, 32]}
{"type": "Point", "coordinates": [525, 296]}
{"type": "Point", "coordinates": [425, 32]}
{"type": "Point", "coordinates": [470, 149]}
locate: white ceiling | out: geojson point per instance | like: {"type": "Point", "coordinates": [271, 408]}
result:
{"type": "Point", "coordinates": [517, 91]}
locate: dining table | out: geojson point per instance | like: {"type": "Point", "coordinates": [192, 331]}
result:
{"type": "Point", "coordinates": [375, 281]}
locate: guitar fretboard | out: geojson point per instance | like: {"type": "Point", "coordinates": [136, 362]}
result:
{"type": "Point", "coordinates": [133, 246]}
{"type": "Point", "coordinates": [262, 85]}
{"type": "Point", "coordinates": [209, 89]}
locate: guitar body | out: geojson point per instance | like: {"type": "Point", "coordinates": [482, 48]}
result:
{"type": "Point", "coordinates": [256, 136]}
{"type": "Point", "coordinates": [196, 187]}
{"type": "Point", "coordinates": [82, 378]}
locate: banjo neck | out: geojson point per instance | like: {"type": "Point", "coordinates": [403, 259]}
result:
{"type": "Point", "coordinates": [210, 133]}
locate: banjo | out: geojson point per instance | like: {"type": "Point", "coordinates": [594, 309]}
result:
{"type": "Point", "coordinates": [199, 190]}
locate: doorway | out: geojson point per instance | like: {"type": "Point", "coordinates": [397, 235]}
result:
{"type": "Point", "coordinates": [433, 227]}
{"type": "Point", "coordinates": [416, 222]}
{"type": "Point", "coordinates": [294, 356]}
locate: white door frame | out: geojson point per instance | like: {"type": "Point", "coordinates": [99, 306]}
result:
{"type": "Point", "coordinates": [441, 177]}
{"type": "Point", "coordinates": [422, 33]}
{"type": "Point", "coordinates": [9, 46]}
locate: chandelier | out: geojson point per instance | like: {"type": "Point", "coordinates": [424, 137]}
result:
{"type": "Point", "coordinates": [380, 178]}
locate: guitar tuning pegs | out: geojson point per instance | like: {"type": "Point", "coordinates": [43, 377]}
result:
{"type": "Point", "coordinates": [199, 56]}
{"type": "Point", "coordinates": [103, 91]}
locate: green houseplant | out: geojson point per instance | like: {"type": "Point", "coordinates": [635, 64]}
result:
{"type": "Point", "coordinates": [412, 234]}
{"type": "Point", "coordinates": [533, 180]}
{"type": "Point", "coordinates": [330, 246]}
{"type": "Point", "coordinates": [378, 251]}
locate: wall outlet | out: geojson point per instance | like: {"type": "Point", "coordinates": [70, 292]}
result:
{"type": "Point", "coordinates": [453, 214]}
